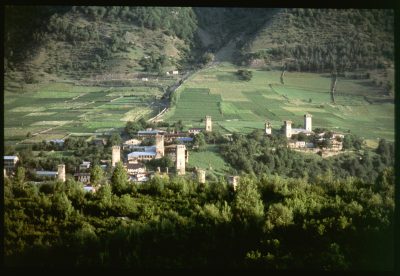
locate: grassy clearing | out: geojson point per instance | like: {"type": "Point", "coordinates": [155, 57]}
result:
{"type": "Point", "coordinates": [209, 160]}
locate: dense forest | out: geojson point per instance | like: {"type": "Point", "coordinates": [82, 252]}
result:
{"type": "Point", "coordinates": [256, 153]}
{"type": "Point", "coordinates": [269, 222]}
{"type": "Point", "coordinates": [321, 40]}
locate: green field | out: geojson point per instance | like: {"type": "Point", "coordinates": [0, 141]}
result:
{"type": "Point", "coordinates": [240, 106]}
{"type": "Point", "coordinates": [60, 109]}
{"type": "Point", "coordinates": [209, 159]}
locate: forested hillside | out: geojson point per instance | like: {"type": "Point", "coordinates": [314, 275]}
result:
{"type": "Point", "coordinates": [63, 40]}
{"type": "Point", "coordinates": [73, 42]}
{"type": "Point", "coordinates": [322, 39]}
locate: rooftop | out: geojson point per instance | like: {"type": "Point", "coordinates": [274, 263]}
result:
{"type": "Point", "coordinates": [46, 173]}
{"type": "Point", "coordinates": [57, 141]}
{"type": "Point", "coordinates": [10, 157]}
{"type": "Point", "coordinates": [185, 139]}
{"type": "Point", "coordinates": [301, 130]}
{"type": "Point", "coordinates": [149, 131]}
{"type": "Point", "coordinates": [145, 148]}
{"type": "Point", "coordinates": [133, 166]}
{"type": "Point", "coordinates": [81, 174]}
{"type": "Point", "coordinates": [141, 153]}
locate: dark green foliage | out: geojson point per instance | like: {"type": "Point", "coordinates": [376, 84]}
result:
{"type": "Point", "coordinates": [270, 222]}
{"type": "Point", "coordinates": [164, 162]}
{"type": "Point", "coordinates": [199, 142]}
{"type": "Point", "coordinates": [114, 140]}
{"type": "Point", "coordinates": [207, 58]}
{"type": "Point", "coordinates": [256, 153]}
{"type": "Point", "coordinates": [368, 44]}
{"type": "Point", "coordinates": [119, 179]}
{"type": "Point", "coordinates": [244, 74]}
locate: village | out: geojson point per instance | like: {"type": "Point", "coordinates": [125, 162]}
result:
{"type": "Point", "coordinates": [176, 146]}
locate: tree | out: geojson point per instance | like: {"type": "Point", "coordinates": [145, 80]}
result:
{"type": "Point", "coordinates": [114, 140]}
{"type": "Point", "coordinates": [96, 175]}
{"type": "Point", "coordinates": [199, 141]}
{"type": "Point", "coordinates": [248, 205]}
{"type": "Point", "coordinates": [244, 74]}
{"type": "Point", "coordinates": [347, 142]}
{"type": "Point", "coordinates": [207, 58]}
{"type": "Point", "coordinates": [278, 215]}
{"type": "Point", "coordinates": [119, 179]}
{"type": "Point", "coordinates": [61, 205]}
{"type": "Point", "coordinates": [20, 176]}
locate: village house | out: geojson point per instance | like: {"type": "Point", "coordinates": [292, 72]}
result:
{"type": "Point", "coordinates": [99, 141]}
{"type": "Point", "coordinates": [297, 144]}
{"type": "Point", "coordinates": [56, 141]}
{"type": "Point", "coordinates": [82, 177]}
{"type": "Point", "coordinates": [184, 140]}
{"type": "Point", "coordinates": [84, 166]}
{"type": "Point", "coordinates": [10, 162]}
{"type": "Point", "coordinates": [46, 174]}
{"type": "Point", "coordinates": [170, 151]}
{"type": "Point", "coordinates": [174, 72]}
{"type": "Point", "coordinates": [88, 188]}
{"type": "Point", "coordinates": [135, 168]}
{"type": "Point", "coordinates": [149, 133]}
{"type": "Point", "coordinates": [195, 131]}
{"type": "Point", "coordinates": [141, 155]}
{"type": "Point", "coordinates": [129, 143]}
{"type": "Point", "coordinates": [59, 174]}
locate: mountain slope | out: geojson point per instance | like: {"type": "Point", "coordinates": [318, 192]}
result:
{"type": "Point", "coordinates": [320, 39]}
{"type": "Point", "coordinates": [82, 41]}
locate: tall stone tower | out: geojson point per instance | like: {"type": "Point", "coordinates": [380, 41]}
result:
{"type": "Point", "coordinates": [307, 122]}
{"type": "Point", "coordinates": [61, 172]}
{"type": "Point", "coordinates": [116, 155]}
{"type": "Point", "coordinates": [208, 124]}
{"type": "Point", "coordinates": [233, 180]}
{"type": "Point", "coordinates": [288, 128]}
{"type": "Point", "coordinates": [268, 129]}
{"type": "Point", "coordinates": [180, 163]}
{"type": "Point", "coordinates": [201, 176]}
{"type": "Point", "coordinates": [159, 146]}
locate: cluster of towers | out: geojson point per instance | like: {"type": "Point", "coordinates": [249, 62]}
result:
{"type": "Point", "coordinates": [287, 127]}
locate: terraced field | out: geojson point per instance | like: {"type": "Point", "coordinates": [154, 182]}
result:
{"type": "Point", "coordinates": [240, 106]}
{"type": "Point", "coordinates": [60, 109]}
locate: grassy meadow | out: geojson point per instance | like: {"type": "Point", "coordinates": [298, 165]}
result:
{"type": "Point", "coordinates": [241, 106]}
{"type": "Point", "coordinates": [209, 159]}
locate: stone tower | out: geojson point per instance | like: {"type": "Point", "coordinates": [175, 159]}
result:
{"type": "Point", "coordinates": [180, 163]}
{"type": "Point", "coordinates": [159, 146]}
{"type": "Point", "coordinates": [288, 128]}
{"type": "Point", "coordinates": [208, 124]}
{"type": "Point", "coordinates": [307, 122]}
{"type": "Point", "coordinates": [61, 172]}
{"type": "Point", "coordinates": [268, 129]}
{"type": "Point", "coordinates": [201, 176]}
{"type": "Point", "coordinates": [116, 155]}
{"type": "Point", "coordinates": [233, 180]}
